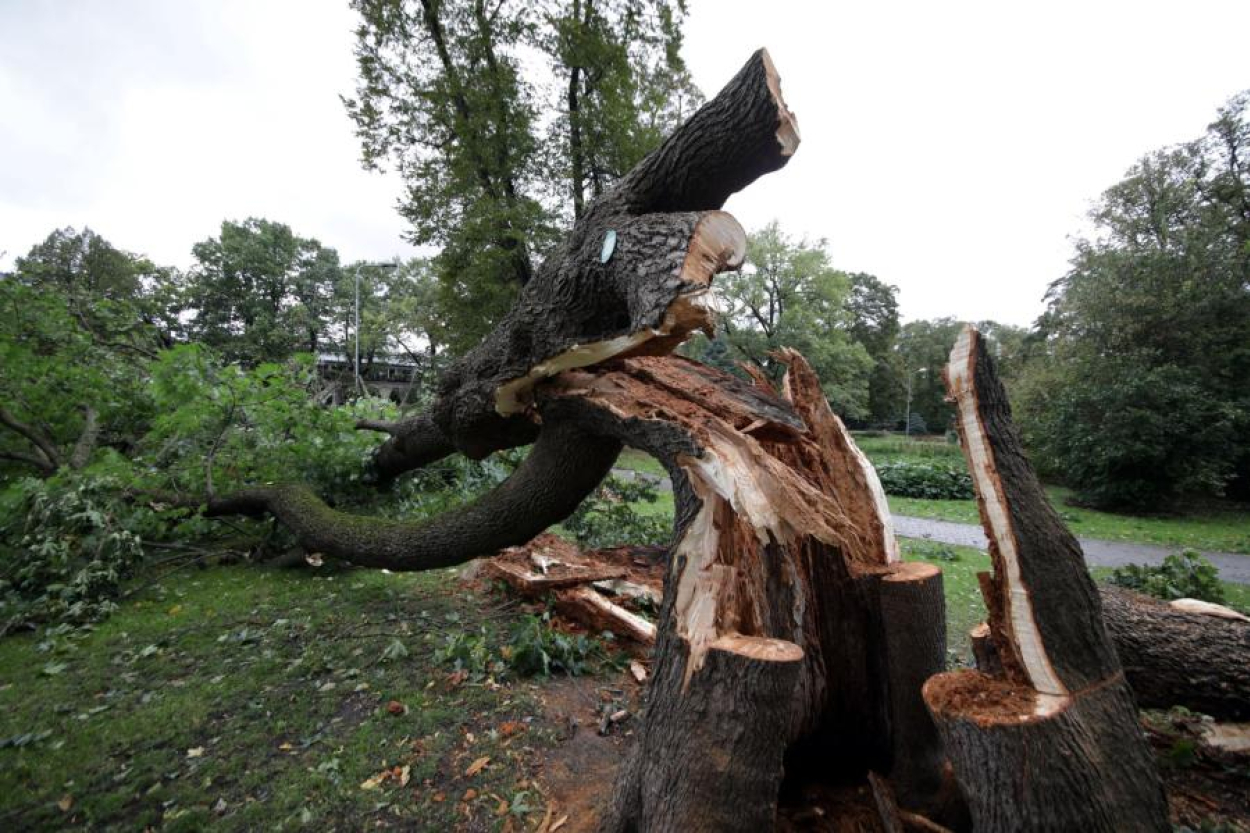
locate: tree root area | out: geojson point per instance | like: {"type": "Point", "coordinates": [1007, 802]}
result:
{"type": "Point", "coordinates": [1204, 784]}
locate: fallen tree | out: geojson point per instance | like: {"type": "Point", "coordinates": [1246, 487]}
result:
{"type": "Point", "coordinates": [790, 640]}
{"type": "Point", "coordinates": [1196, 656]}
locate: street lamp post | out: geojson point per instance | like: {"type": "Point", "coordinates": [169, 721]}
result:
{"type": "Point", "coordinates": [356, 363]}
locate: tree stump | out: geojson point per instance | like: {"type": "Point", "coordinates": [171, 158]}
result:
{"type": "Point", "coordinates": [773, 640]}
{"type": "Point", "coordinates": [1054, 742]}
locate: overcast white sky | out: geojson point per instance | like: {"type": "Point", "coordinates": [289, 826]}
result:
{"type": "Point", "coordinates": [949, 148]}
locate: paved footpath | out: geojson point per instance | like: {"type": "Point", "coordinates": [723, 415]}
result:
{"type": "Point", "coordinates": [1098, 552]}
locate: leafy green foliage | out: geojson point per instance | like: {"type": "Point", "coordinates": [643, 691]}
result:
{"type": "Point", "coordinates": [259, 292]}
{"type": "Point", "coordinates": [1130, 435]}
{"type": "Point", "coordinates": [494, 158]}
{"type": "Point", "coordinates": [1183, 576]}
{"type": "Point", "coordinates": [532, 648]}
{"type": "Point", "coordinates": [1142, 395]}
{"type": "Point", "coordinates": [931, 481]}
{"type": "Point", "coordinates": [248, 426]}
{"type": "Point", "coordinates": [610, 517]}
{"type": "Point", "coordinates": [66, 545]}
{"type": "Point", "coordinates": [536, 648]}
{"type": "Point", "coordinates": [788, 295]}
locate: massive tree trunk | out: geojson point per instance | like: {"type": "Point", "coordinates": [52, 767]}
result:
{"type": "Point", "coordinates": [791, 640]}
{"type": "Point", "coordinates": [1053, 741]}
{"type": "Point", "coordinates": [773, 641]}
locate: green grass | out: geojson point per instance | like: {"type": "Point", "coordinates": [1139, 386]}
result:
{"type": "Point", "coordinates": [632, 458]}
{"type": "Point", "coordinates": [253, 699]}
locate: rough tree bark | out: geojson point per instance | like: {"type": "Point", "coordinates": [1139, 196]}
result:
{"type": "Point", "coordinates": [782, 565]}
{"type": "Point", "coordinates": [1053, 743]}
{"type": "Point", "coordinates": [1171, 656]}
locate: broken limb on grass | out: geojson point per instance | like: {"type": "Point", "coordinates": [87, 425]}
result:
{"type": "Point", "coordinates": [1177, 657]}
{"type": "Point", "coordinates": [1053, 742]}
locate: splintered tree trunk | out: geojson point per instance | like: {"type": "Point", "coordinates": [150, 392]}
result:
{"type": "Point", "coordinates": [1053, 743]}
{"type": "Point", "coordinates": [773, 640]}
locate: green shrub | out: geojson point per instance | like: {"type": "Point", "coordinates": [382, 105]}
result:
{"type": "Point", "coordinates": [609, 517]}
{"type": "Point", "coordinates": [532, 648]}
{"type": "Point", "coordinates": [66, 544]}
{"type": "Point", "coordinates": [1184, 576]}
{"type": "Point", "coordinates": [928, 481]}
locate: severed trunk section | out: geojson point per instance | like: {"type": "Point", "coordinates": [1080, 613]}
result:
{"type": "Point", "coordinates": [1053, 742]}
{"type": "Point", "coordinates": [771, 641]}
{"type": "Point", "coordinates": [1173, 654]}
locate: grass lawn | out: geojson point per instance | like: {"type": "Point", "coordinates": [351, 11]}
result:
{"type": "Point", "coordinates": [254, 699]}
{"type": "Point", "coordinates": [250, 699]}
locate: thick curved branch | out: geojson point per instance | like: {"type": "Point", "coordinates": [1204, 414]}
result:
{"type": "Point", "coordinates": [746, 131]}
{"type": "Point", "coordinates": [46, 469]}
{"type": "Point", "coordinates": [40, 440]}
{"type": "Point", "coordinates": [564, 467]}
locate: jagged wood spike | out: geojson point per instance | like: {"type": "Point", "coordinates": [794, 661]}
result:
{"type": "Point", "coordinates": [1053, 743]}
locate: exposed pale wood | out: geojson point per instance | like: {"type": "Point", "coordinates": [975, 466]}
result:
{"type": "Point", "coordinates": [585, 604]}
{"type": "Point", "coordinates": [1053, 743]}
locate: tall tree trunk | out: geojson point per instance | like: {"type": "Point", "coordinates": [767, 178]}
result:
{"type": "Point", "coordinates": [1053, 742]}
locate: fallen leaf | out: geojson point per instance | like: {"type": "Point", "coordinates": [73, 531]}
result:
{"type": "Point", "coordinates": [469, 794]}
{"type": "Point", "coordinates": [511, 727]}
{"type": "Point", "coordinates": [175, 610]}
{"type": "Point", "coordinates": [195, 752]}
{"type": "Point", "coordinates": [285, 747]}
{"type": "Point", "coordinates": [502, 809]}
{"type": "Point", "coordinates": [373, 782]}
{"type": "Point", "coordinates": [476, 767]}
{"type": "Point", "coordinates": [405, 773]}
{"type": "Point", "coordinates": [396, 708]}
{"type": "Point", "coordinates": [65, 803]}
{"type": "Point", "coordinates": [439, 798]}
{"type": "Point", "coordinates": [635, 668]}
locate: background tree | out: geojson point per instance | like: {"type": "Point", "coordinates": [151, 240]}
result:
{"type": "Point", "coordinates": [788, 295]}
{"type": "Point", "coordinates": [1143, 394]}
{"type": "Point", "coordinates": [443, 98]}
{"type": "Point", "coordinates": [75, 336]}
{"type": "Point", "coordinates": [259, 292]}
{"type": "Point", "coordinates": [873, 307]}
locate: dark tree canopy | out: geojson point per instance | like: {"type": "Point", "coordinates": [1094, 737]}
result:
{"type": "Point", "coordinates": [1145, 392]}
